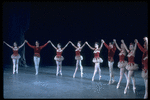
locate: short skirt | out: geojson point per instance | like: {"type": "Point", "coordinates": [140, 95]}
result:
{"type": "Point", "coordinates": [122, 64]}
{"type": "Point", "coordinates": [15, 57]}
{"type": "Point", "coordinates": [132, 67]}
{"type": "Point", "coordinates": [59, 58]}
{"type": "Point", "coordinates": [97, 60]}
{"type": "Point", "coordinates": [144, 74]}
{"type": "Point", "coordinates": [78, 57]}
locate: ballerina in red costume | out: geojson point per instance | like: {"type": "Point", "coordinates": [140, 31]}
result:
{"type": "Point", "coordinates": [59, 58]}
{"type": "Point", "coordinates": [122, 63]}
{"type": "Point", "coordinates": [97, 59]}
{"type": "Point", "coordinates": [37, 50]}
{"type": "Point", "coordinates": [15, 56]}
{"type": "Point", "coordinates": [78, 57]}
{"type": "Point", "coordinates": [111, 52]}
{"type": "Point", "coordinates": [131, 66]}
{"type": "Point", "coordinates": [144, 73]}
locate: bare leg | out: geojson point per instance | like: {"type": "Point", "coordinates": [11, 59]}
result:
{"type": "Point", "coordinates": [130, 73]}
{"type": "Point", "coordinates": [14, 65]}
{"type": "Point", "coordinates": [77, 62]}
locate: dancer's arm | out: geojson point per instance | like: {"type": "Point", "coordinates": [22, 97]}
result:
{"type": "Point", "coordinates": [139, 45]}
{"type": "Point", "coordinates": [8, 45]}
{"type": "Point", "coordinates": [116, 44]}
{"type": "Point", "coordinates": [65, 46]}
{"type": "Point", "coordinates": [53, 45]}
{"type": "Point", "coordinates": [83, 45]}
{"type": "Point", "coordinates": [89, 46]}
{"type": "Point", "coordinates": [73, 45]}
{"type": "Point", "coordinates": [102, 42]}
{"type": "Point", "coordinates": [21, 45]}
{"type": "Point", "coordinates": [30, 44]}
{"type": "Point", "coordinates": [125, 46]}
{"type": "Point", "coordinates": [135, 47]}
{"type": "Point", "coordinates": [41, 47]}
{"type": "Point", "coordinates": [106, 44]}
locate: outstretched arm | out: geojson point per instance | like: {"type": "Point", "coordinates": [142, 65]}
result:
{"type": "Point", "coordinates": [65, 46]}
{"type": "Point", "coordinates": [53, 45]}
{"type": "Point", "coordinates": [29, 44]}
{"type": "Point", "coordinates": [139, 45]}
{"type": "Point", "coordinates": [21, 45]}
{"type": "Point", "coordinates": [125, 46]}
{"type": "Point", "coordinates": [89, 46]}
{"type": "Point", "coordinates": [116, 44]}
{"type": "Point", "coordinates": [105, 44]}
{"type": "Point", "coordinates": [8, 45]}
{"type": "Point", "coordinates": [41, 47]}
{"type": "Point", "coordinates": [73, 45]}
{"type": "Point", "coordinates": [102, 42]}
{"type": "Point", "coordinates": [83, 45]}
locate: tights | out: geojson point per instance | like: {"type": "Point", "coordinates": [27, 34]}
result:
{"type": "Point", "coordinates": [15, 65]}
{"type": "Point", "coordinates": [36, 63]}
{"type": "Point", "coordinates": [97, 67]}
{"type": "Point", "coordinates": [59, 67]}
{"type": "Point", "coordinates": [78, 63]}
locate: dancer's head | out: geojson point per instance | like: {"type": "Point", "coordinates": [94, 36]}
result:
{"type": "Point", "coordinates": [131, 46]}
{"type": "Point", "coordinates": [79, 44]}
{"type": "Point", "coordinates": [15, 44]}
{"type": "Point", "coordinates": [111, 44]}
{"type": "Point", "coordinates": [37, 43]}
{"type": "Point", "coordinates": [96, 45]}
{"type": "Point", "coordinates": [58, 46]}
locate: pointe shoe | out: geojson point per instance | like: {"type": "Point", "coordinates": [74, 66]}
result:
{"type": "Point", "coordinates": [134, 89]}
{"type": "Point", "coordinates": [36, 73]}
{"type": "Point", "coordinates": [125, 91]}
{"type": "Point", "coordinates": [13, 72]}
{"type": "Point", "coordinates": [113, 81]}
{"type": "Point", "coordinates": [118, 86]}
{"type": "Point", "coordinates": [81, 74]}
{"type": "Point", "coordinates": [61, 74]}
{"type": "Point", "coordinates": [128, 87]}
{"type": "Point", "coordinates": [100, 77]}
{"type": "Point", "coordinates": [56, 74]}
{"type": "Point", "coordinates": [16, 71]}
{"type": "Point", "coordinates": [109, 82]}
{"type": "Point", "coordinates": [73, 75]}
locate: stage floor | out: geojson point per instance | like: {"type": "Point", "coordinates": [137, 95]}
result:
{"type": "Point", "coordinates": [46, 84]}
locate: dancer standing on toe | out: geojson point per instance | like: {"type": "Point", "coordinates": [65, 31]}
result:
{"type": "Point", "coordinates": [97, 60]}
{"type": "Point", "coordinates": [111, 52]}
{"type": "Point", "coordinates": [78, 57]}
{"type": "Point", "coordinates": [131, 66]}
{"type": "Point", "coordinates": [144, 73]}
{"type": "Point", "coordinates": [59, 58]}
{"type": "Point", "coordinates": [122, 63]}
{"type": "Point", "coordinates": [15, 56]}
{"type": "Point", "coordinates": [36, 57]}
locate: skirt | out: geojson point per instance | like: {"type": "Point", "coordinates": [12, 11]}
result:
{"type": "Point", "coordinates": [132, 67]}
{"type": "Point", "coordinates": [78, 57]}
{"type": "Point", "coordinates": [59, 58]}
{"type": "Point", "coordinates": [15, 57]}
{"type": "Point", "coordinates": [122, 64]}
{"type": "Point", "coordinates": [97, 60]}
{"type": "Point", "coordinates": [144, 74]}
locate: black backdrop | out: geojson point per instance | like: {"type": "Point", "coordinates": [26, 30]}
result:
{"type": "Point", "coordinates": [74, 21]}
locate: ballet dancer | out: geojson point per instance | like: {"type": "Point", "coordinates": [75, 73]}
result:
{"type": "Point", "coordinates": [144, 73]}
{"type": "Point", "coordinates": [36, 57]}
{"type": "Point", "coordinates": [59, 58]}
{"type": "Point", "coordinates": [111, 52]}
{"type": "Point", "coordinates": [15, 56]}
{"type": "Point", "coordinates": [122, 63]}
{"type": "Point", "coordinates": [97, 59]}
{"type": "Point", "coordinates": [131, 66]}
{"type": "Point", "coordinates": [78, 57]}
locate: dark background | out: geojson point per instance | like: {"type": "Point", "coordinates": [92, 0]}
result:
{"type": "Point", "coordinates": [61, 22]}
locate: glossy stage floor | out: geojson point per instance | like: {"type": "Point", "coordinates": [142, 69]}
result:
{"type": "Point", "coordinates": [46, 84]}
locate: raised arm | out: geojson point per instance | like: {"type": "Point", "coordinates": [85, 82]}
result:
{"type": "Point", "coordinates": [135, 47]}
{"type": "Point", "coordinates": [65, 46]}
{"type": "Point", "coordinates": [8, 45]}
{"type": "Point", "coordinates": [89, 46]}
{"type": "Point", "coordinates": [41, 47]}
{"type": "Point", "coordinates": [29, 44]}
{"type": "Point", "coordinates": [139, 45]}
{"type": "Point", "coordinates": [116, 44]}
{"type": "Point", "coordinates": [102, 42]}
{"type": "Point", "coordinates": [125, 46]}
{"type": "Point", "coordinates": [53, 45]}
{"type": "Point", "coordinates": [73, 45]}
{"type": "Point", "coordinates": [106, 44]}
{"type": "Point", "coordinates": [21, 45]}
{"type": "Point", "coordinates": [83, 45]}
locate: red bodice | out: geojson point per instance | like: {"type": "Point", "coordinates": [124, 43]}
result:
{"type": "Point", "coordinates": [121, 57]}
{"type": "Point", "coordinates": [96, 55]}
{"type": "Point", "coordinates": [77, 53]}
{"type": "Point", "coordinates": [58, 54]}
{"type": "Point", "coordinates": [131, 59]}
{"type": "Point", "coordinates": [15, 52]}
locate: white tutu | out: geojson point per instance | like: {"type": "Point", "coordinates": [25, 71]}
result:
{"type": "Point", "coordinates": [97, 60]}
{"type": "Point", "coordinates": [144, 75]}
{"type": "Point", "coordinates": [122, 64]}
{"type": "Point", "coordinates": [132, 66]}
{"type": "Point", "coordinates": [78, 57]}
{"type": "Point", "coordinates": [15, 57]}
{"type": "Point", "coordinates": [59, 58]}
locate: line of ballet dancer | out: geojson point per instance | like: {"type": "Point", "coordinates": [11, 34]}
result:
{"type": "Point", "coordinates": [124, 66]}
